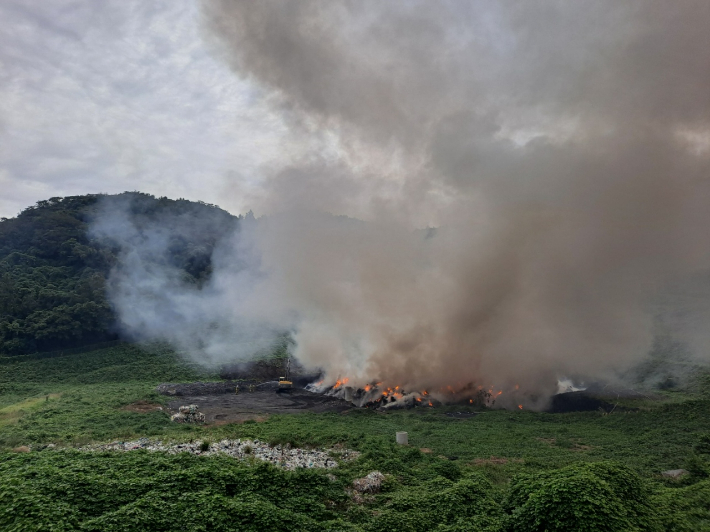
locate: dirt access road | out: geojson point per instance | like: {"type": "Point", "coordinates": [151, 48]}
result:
{"type": "Point", "coordinates": [221, 407]}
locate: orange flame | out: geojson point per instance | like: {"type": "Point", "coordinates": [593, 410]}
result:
{"type": "Point", "coordinates": [520, 407]}
{"type": "Point", "coordinates": [430, 404]}
{"type": "Point", "coordinates": [368, 387]}
{"type": "Point", "coordinates": [340, 382]}
{"type": "Point", "coordinates": [470, 401]}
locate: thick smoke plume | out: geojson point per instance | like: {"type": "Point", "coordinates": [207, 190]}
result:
{"type": "Point", "coordinates": [560, 149]}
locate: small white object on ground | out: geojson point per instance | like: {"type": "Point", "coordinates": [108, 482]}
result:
{"type": "Point", "coordinates": [402, 438]}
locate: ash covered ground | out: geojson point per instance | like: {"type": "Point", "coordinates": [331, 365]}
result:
{"type": "Point", "coordinates": [220, 404]}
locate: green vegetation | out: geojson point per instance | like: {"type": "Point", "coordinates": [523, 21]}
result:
{"type": "Point", "coordinates": [497, 471]}
{"type": "Point", "coordinates": [53, 271]}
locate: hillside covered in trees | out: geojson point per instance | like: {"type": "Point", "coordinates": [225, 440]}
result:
{"type": "Point", "coordinates": [53, 271]}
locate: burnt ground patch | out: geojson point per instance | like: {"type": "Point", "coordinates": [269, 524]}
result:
{"type": "Point", "coordinates": [596, 397]}
{"type": "Point", "coordinates": [230, 407]}
{"type": "Point", "coordinates": [578, 402]}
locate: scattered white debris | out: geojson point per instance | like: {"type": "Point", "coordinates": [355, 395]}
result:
{"type": "Point", "coordinates": [372, 483]}
{"type": "Point", "coordinates": [188, 414]}
{"type": "Point", "coordinates": [283, 456]}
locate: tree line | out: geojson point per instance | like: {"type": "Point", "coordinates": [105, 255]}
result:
{"type": "Point", "coordinates": [53, 272]}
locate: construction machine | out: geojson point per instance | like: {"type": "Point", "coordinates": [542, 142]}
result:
{"type": "Point", "coordinates": [285, 384]}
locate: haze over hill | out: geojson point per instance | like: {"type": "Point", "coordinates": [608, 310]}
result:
{"type": "Point", "coordinates": [80, 270]}
{"type": "Point", "coordinates": [53, 272]}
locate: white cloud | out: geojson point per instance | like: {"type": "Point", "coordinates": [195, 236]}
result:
{"type": "Point", "coordinates": [124, 95]}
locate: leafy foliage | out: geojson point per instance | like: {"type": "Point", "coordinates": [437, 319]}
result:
{"type": "Point", "coordinates": [552, 472]}
{"type": "Point", "coordinates": [53, 271]}
{"type": "Point", "coordinates": [137, 491]}
{"type": "Point", "coordinates": [585, 497]}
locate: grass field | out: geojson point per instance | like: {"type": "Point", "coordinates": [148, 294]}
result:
{"type": "Point", "coordinates": [499, 470]}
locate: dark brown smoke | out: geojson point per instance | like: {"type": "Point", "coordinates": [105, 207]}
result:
{"type": "Point", "coordinates": [562, 150]}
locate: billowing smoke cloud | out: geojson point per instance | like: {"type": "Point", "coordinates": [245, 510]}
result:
{"type": "Point", "coordinates": [161, 286]}
{"type": "Point", "coordinates": [561, 149]}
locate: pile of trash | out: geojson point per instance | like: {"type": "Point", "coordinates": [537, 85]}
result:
{"type": "Point", "coordinates": [372, 483]}
{"type": "Point", "coordinates": [283, 456]}
{"type": "Point", "coordinates": [188, 414]}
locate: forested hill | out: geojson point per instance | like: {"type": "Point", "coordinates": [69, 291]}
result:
{"type": "Point", "coordinates": [53, 272]}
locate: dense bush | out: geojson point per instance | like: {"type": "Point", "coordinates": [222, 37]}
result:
{"type": "Point", "coordinates": [140, 491]}
{"type": "Point", "coordinates": [441, 505]}
{"type": "Point", "coordinates": [53, 271]}
{"type": "Point", "coordinates": [599, 497]}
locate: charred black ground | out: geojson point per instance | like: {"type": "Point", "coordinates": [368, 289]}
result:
{"type": "Point", "coordinates": [220, 403]}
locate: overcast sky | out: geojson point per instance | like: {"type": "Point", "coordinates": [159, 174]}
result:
{"type": "Point", "coordinates": [124, 95]}
{"type": "Point", "coordinates": [170, 98]}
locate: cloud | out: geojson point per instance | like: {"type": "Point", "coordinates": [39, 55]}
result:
{"type": "Point", "coordinates": [123, 95]}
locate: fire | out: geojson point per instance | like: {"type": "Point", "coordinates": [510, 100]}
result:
{"type": "Point", "coordinates": [340, 383]}
{"type": "Point", "coordinates": [388, 395]}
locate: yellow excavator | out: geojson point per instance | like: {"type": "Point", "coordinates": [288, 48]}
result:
{"type": "Point", "coordinates": [285, 384]}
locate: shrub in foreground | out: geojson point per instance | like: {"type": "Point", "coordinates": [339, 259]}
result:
{"type": "Point", "coordinates": [598, 497]}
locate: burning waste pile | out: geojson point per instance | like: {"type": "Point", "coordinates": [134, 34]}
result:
{"type": "Point", "coordinates": [377, 396]}
{"type": "Point", "coordinates": [283, 456]}
{"type": "Point", "coordinates": [188, 414]}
